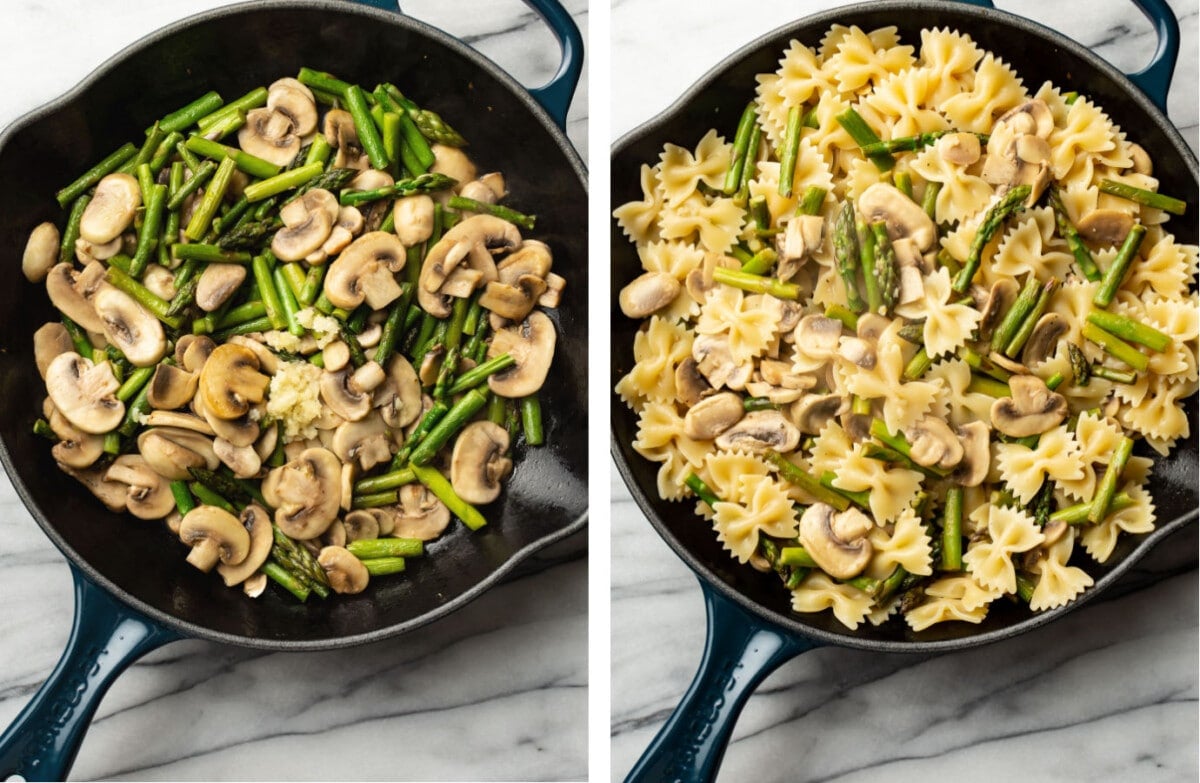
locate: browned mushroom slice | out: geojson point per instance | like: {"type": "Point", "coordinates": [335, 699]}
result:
{"type": "Point", "coordinates": [1105, 227]}
{"type": "Point", "coordinates": [977, 454]}
{"type": "Point", "coordinates": [714, 360]}
{"type": "Point", "coordinates": [41, 252]}
{"type": "Point", "coordinates": [296, 104]}
{"type": "Point", "coordinates": [1044, 340]}
{"type": "Point", "coordinates": [85, 393]}
{"type": "Point", "coordinates": [341, 135]}
{"type": "Point", "coordinates": [1031, 410]}
{"type": "Point", "coordinates": [837, 542]}
{"type": "Point", "coordinates": [904, 217]}
{"type": "Point", "coordinates": [305, 493]}
{"type": "Point", "coordinates": [49, 341]}
{"type": "Point", "coordinates": [111, 209]}
{"type": "Point", "coordinates": [192, 351]}
{"type": "Point", "coordinates": [172, 451]}
{"type": "Point", "coordinates": [346, 573]}
{"type": "Point", "coordinates": [75, 448]}
{"type": "Point", "coordinates": [148, 496]}
{"type": "Point", "coordinates": [486, 231]}
{"type": "Point", "coordinates": [933, 443]}
{"type": "Point", "coordinates": [214, 535]}
{"type": "Point", "coordinates": [364, 272]}
{"type": "Point", "coordinates": [230, 381]}
{"type": "Point", "coordinates": [812, 412]}
{"type": "Point", "coordinates": [1000, 298]}
{"type": "Point", "coordinates": [759, 431]}
{"type": "Point", "coordinates": [242, 460]}
{"type": "Point", "coordinates": [690, 385]}
{"type": "Point", "coordinates": [110, 493]}
{"type": "Point", "coordinates": [302, 237]}
{"type": "Point", "coordinates": [360, 525]}
{"type": "Point", "coordinates": [217, 283]}
{"type": "Point", "coordinates": [478, 463]}
{"type": "Point", "coordinates": [515, 301]}
{"type": "Point", "coordinates": [257, 522]}
{"type": "Point", "coordinates": [420, 514]}
{"type": "Point", "coordinates": [531, 345]}
{"type": "Point", "coordinates": [711, 416]}
{"type": "Point", "coordinates": [171, 387]}
{"type": "Point", "coordinates": [366, 441]}
{"type": "Point", "coordinates": [63, 288]}
{"type": "Point", "coordinates": [399, 397]}
{"type": "Point", "coordinates": [270, 135]}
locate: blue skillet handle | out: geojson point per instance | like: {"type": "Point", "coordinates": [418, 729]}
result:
{"type": "Point", "coordinates": [555, 95]}
{"type": "Point", "coordinates": [740, 652]}
{"type": "Point", "coordinates": [1155, 78]}
{"type": "Point", "coordinates": [41, 744]}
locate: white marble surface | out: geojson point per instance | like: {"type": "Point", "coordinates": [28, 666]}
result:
{"type": "Point", "coordinates": [497, 691]}
{"type": "Point", "coordinates": [1107, 694]}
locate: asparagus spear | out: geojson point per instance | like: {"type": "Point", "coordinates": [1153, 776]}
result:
{"type": "Point", "coordinates": [756, 284]}
{"type": "Point", "coordinates": [1142, 196]}
{"type": "Point", "coordinates": [96, 173]}
{"type": "Point", "coordinates": [862, 134]}
{"type": "Point", "coordinates": [701, 489]}
{"type": "Point", "coordinates": [298, 560]}
{"type": "Point", "coordinates": [425, 183]}
{"type": "Point", "coordinates": [741, 143]}
{"type": "Point", "coordinates": [1083, 256]}
{"type": "Point", "coordinates": [845, 250]}
{"type": "Point", "coordinates": [1116, 347]}
{"type": "Point", "coordinates": [454, 421]}
{"type": "Point", "coordinates": [1016, 314]}
{"type": "Point", "coordinates": [791, 149]}
{"type": "Point", "coordinates": [1128, 329]}
{"type": "Point", "coordinates": [952, 531]}
{"type": "Point", "coordinates": [1027, 325]}
{"type": "Point", "coordinates": [1102, 500]}
{"type": "Point", "coordinates": [885, 265]}
{"type": "Point", "coordinates": [1009, 204]}
{"type": "Point", "coordinates": [866, 252]}
{"type": "Point", "coordinates": [910, 143]}
{"type": "Point", "coordinates": [436, 483]}
{"type": "Point", "coordinates": [806, 482]}
{"type": "Point", "coordinates": [1115, 274]}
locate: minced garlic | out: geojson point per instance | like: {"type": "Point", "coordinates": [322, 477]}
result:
{"type": "Point", "coordinates": [294, 399]}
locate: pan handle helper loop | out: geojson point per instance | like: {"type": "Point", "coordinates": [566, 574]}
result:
{"type": "Point", "coordinates": [740, 652]}
{"type": "Point", "coordinates": [107, 637]}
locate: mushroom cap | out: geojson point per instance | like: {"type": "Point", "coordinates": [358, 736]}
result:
{"type": "Point", "coordinates": [185, 421]}
{"type": "Point", "coordinates": [305, 493]}
{"type": "Point", "coordinates": [111, 209]}
{"type": "Point", "coordinates": [340, 133]}
{"type": "Point", "coordinates": [294, 103]}
{"type": "Point", "coordinates": [242, 460]}
{"type": "Point", "coordinates": [1038, 119]}
{"type": "Point", "coordinates": [350, 403]}
{"type": "Point", "coordinates": [50, 340]}
{"type": "Point", "coordinates": [297, 242]}
{"type": "Point", "coordinates": [364, 272]}
{"type": "Point", "coordinates": [193, 350]}
{"type": "Point", "coordinates": [517, 300]}
{"type": "Point", "coordinates": [1105, 226]}
{"type": "Point", "coordinates": [759, 431]}
{"type": "Point", "coordinates": [230, 381]}
{"type": "Point", "coordinates": [1044, 339]}
{"type": "Point", "coordinates": [838, 542]}
{"type": "Point", "coordinates": [75, 448]}
{"type": "Point", "coordinates": [975, 438]}
{"type": "Point", "coordinates": [1000, 298]}
{"type": "Point", "coordinates": [531, 344]}
{"type": "Point", "coordinates": [812, 411]}
{"type": "Point", "coordinates": [486, 231]}
{"type": "Point", "coordinates": [85, 393]}
{"type": "Point", "coordinates": [714, 360]}
{"type": "Point", "coordinates": [961, 149]}
{"type": "Point", "coordinates": [399, 398]}
{"type": "Point", "coordinates": [41, 252]}
{"type": "Point", "coordinates": [690, 385]}
{"type": "Point", "coordinates": [904, 217]}
{"type": "Point", "coordinates": [270, 135]}
{"type": "Point", "coordinates": [217, 283]}
{"type": "Point", "coordinates": [367, 441]}
{"type": "Point", "coordinates": [934, 443]}
{"type": "Point", "coordinates": [148, 495]}
{"type": "Point", "coordinates": [819, 335]}
{"type": "Point", "coordinates": [360, 525]}
{"type": "Point", "coordinates": [371, 179]}
{"type": "Point", "coordinates": [712, 415]}
{"type": "Point", "coordinates": [413, 218]}
{"type": "Point", "coordinates": [648, 293]}
{"type": "Point", "coordinates": [62, 288]}
{"type": "Point", "coordinates": [171, 387]}
{"type": "Point", "coordinates": [1031, 410]}
{"type": "Point", "coordinates": [110, 493]}
{"type": "Point", "coordinates": [257, 523]}
{"type": "Point", "coordinates": [532, 258]}
{"type": "Point", "coordinates": [170, 451]}
{"type": "Point", "coordinates": [478, 464]}
{"type": "Point", "coordinates": [130, 327]}
{"type": "Point", "coordinates": [242, 431]}
{"type": "Point", "coordinates": [213, 534]}
{"type": "Point", "coordinates": [347, 575]}
{"type": "Point", "coordinates": [452, 162]}
{"type": "Point", "coordinates": [419, 514]}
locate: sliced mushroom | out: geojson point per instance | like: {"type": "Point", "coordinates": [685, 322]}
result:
{"type": "Point", "coordinates": [413, 217]}
{"type": "Point", "coordinates": [305, 493]}
{"type": "Point", "coordinates": [111, 209]}
{"type": "Point", "coordinates": [130, 327]}
{"type": "Point", "coordinates": [858, 351]}
{"type": "Point", "coordinates": [371, 179]}
{"type": "Point", "coordinates": [711, 416]}
{"type": "Point", "coordinates": [41, 252]}
{"type": "Point", "coordinates": [294, 100]}
{"type": "Point", "coordinates": [63, 287]}
{"type": "Point", "coordinates": [257, 523]}
{"type": "Point", "coordinates": [933, 443]}
{"type": "Point", "coordinates": [690, 385]}
{"type": "Point", "coordinates": [1045, 338]}
{"type": "Point", "coordinates": [385, 516]}
{"type": "Point", "coordinates": [478, 463]}
{"type": "Point", "coordinates": [759, 431]}
{"type": "Point", "coordinates": [531, 345]}
{"type": "Point", "coordinates": [366, 441]}
{"type": "Point", "coordinates": [270, 135]}
{"type": "Point", "coordinates": [813, 411]}
{"type": "Point", "coordinates": [1000, 298]}
{"type": "Point", "coordinates": [192, 351]}
{"type": "Point", "coordinates": [349, 225]}
{"type": "Point", "coordinates": [110, 493]}
{"type": "Point", "coordinates": [186, 421]}
{"type": "Point", "coordinates": [85, 393]}
{"type": "Point", "coordinates": [801, 238]}
{"type": "Point", "coordinates": [172, 451]}
{"type": "Point", "coordinates": [148, 496]}
{"type": "Point", "coordinates": [1105, 227]}
{"type": "Point", "coordinates": [341, 135]}
{"type": "Point", "coordinates": [217, 283]}
{"type": "Point", "coordinates": [75, 448]}
{"type": "Point", "coordinates": [1031, 410]}
{"type": "Point", "coordinates": [242, 431]}
{"type": "Point", "coordinates": [478, 231]}
{"type": "Point", "coordinates": [1033, 166]}
{"type": "Point", "coordinates": [871, 326]}
{"type": "Point", "coordinates": [1031, 117]}
{"type": "Point", "coordinates": [975, 438]}
{"type": "Point", "coordinates": [452, 162]}
{"type": "Point", "coordinates": [346, 573]}
{"type": "Point", "coordinates": [838, 542]}
{"type": "Point", "coordinates": [49, 341]}
{"type": "Point", "coordinates": [647, 294]}
{"type": "Point", "coordinates": [961, 149]}
{"type": "Point", "coordinates": [904, 217]}
{"type": "Point", "coordinates": [516, 301]}
{"type": "Point", "coordinates": [230, 381]}
{"type": "Point", "coordinates": [303, 233]}
{"type": "Point", "coordinates": [336, 534]}
{"type": "Point", "coordinates": [242, 460]}
{"type": "Point", "coordinates": [818, 336]}
{"type": "Point", "coordinates": [1141, 160]}
{"type": "Point", "coordinates": [778, 373]}
{"type": "Point", "coordinates": [420, 514]}
{"type": "Point", "coordinates": [715, 362]}
{"type": "Point", "coordinates": [214, 535]}
{"type": "Point", "coordinates": [360, 525]}
{"type": "Point", "coordinates": [363, 272]}
{"type": "Point", "coordinates": [399, 397]}
{"type": "Point", "coordinates": [336, 356]}
{"type": "Point", "coordinates": [160, 281]}
{"type": "Point", "coordinates": [171, 387]}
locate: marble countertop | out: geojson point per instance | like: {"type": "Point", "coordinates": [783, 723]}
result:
{"type": "Point", "coordinates": [1107, 694]}
{"type": "Point", "coordinates": [419, 707]}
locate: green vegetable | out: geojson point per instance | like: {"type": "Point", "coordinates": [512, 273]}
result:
{"type": "Point", "coordinates": [87, 179]}
{"type": "Point", "coordinates": [1115, 274]}
{"type": "Point", "coordinates": [496, 210]}
{"type": "Point", "coordinates": [1009, 204]}
{"type": "Point", "coordinates": [1142, 196]}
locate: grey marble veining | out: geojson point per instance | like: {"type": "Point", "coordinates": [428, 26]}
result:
{"type": "Point", "coordinates": [1107, 694]}
{"type": "Point", "coordinates": [497, 691]}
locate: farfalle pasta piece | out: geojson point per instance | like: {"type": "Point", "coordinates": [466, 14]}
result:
{"type": "Point", "coordinates": [818, 592]}
{"type": "Point", "coordinates": [951, 57]}
{"type": "Point", "coordinates": [725, 468]}
{"type": "Point", "coordinates": [859, 61]}
{"type": "Point", "coordinates": [639, 219]}
{"type": "Point", "coordinates": [903, 402]}
{"type": "Point", "coordinates": [1056, 456]}
{"type": "Point", "coordinates": [907, 545]}
{"type": "Point", "coordinates": [1165, 270]}
{"type": "Point", "coordinates": [892, 488]}
{"type": "Point", "coordinates": [1010, 531]}
{"type": "Point", "coordinates": [676, 259]}
{"type": "Point", "coordinates": [1028, 247]}
{"type": "Point", "coordinates": [761, 508]}
{"type": "Point", "coordinates": [830, 448]}
{"type": "Point", "coordinates": [955, 401]}
{"type": "Point", "coordinates": [1101, 539]}
{"type": "Point", "coordinates": [962, 195]}
{"type": "Point", "coordinates": [949, 599]}
{"type": "Point", "coordinates": [749, 322]}
{"type": "Point", "coordinates": [947, 325]}
{"type": "Point", "coordinates": [660, 438]}
{"type": "Point", "coordinates": [1085, 137]}
{"type": "Point", "coordinates": [903, 103]}
{"type": "Point", "coordinates": [1158, 415]}
{"type": "Point", "coordinates": [716, 223]}
{"type": "Point", "coordinates": [657, 351]}
{"type": "Point", "coordinates": [1098, 438]}
{"type": "Point", "coordinates": [1058, 583]}
{"type": "Point", "coordinates": [995, 90]}
{"type": "Point", "coordinates": [680, 172]}
{"type": "Point", "coordinates": [811, 171]}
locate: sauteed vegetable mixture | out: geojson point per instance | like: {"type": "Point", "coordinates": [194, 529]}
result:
{"type": "Point", "coordinates": [299, 327]}
{"type": "Point", "coordinates": [902, 329]}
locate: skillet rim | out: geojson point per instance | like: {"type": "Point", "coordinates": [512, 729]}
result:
{"type": "Point", "coordinates": [709, 580]}
{"type": "Point", "coordinates": [516, 91]}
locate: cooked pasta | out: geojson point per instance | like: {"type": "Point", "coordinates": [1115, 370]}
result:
{"type": "Point", "coordinates": [906, 374]}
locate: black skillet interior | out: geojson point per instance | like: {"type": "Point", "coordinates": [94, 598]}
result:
{"type": "Point", "coordinates": [233, 51]}
{"type": "Point", "coordinates": [716, 102]}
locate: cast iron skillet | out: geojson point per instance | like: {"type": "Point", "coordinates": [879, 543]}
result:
{"type": "Point", "coordinates": [133, 591]}
{"type": "Point", "coordinates": [751, 628]}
